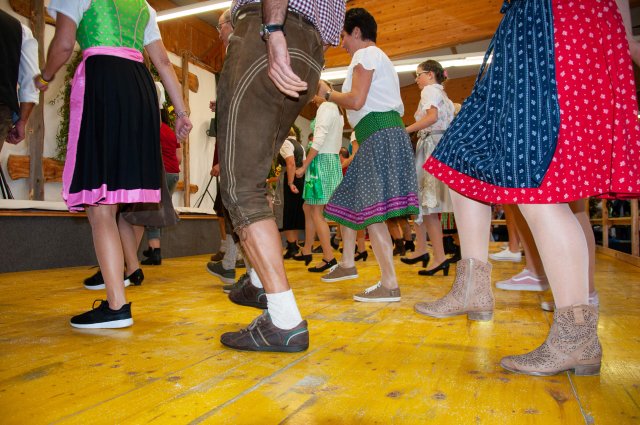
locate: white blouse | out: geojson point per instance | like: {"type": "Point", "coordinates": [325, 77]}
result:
{"type": "Point", "coordinates": [434, 95]}
{"type": "Point", "coordinates": [327, 136]}
{"type": "Point", "coordinates": [384, 93]}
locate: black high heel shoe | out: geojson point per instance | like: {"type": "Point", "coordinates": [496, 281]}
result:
{"type": "Point", "coordinates": [444, 266]}
{"type": "Point", "coordinates": [361, 255]}
{"type": "Point", "coordinates": [424, 258]}
{"type": "Point", "coordinates": [399, 247]}
{"type": "Point", "coordinates": [334, 244]}
{"type": "Point", "coordinates": [147, 252]}
{"type": "Point", "coordinates": [325, 266]}
{"type": "Point", "coordinates": [292, 249]}
{"type": "Point", "coordinates": [153, 259]}
{"type": "Point", "coordinates": [409, 245]}
{"type": "Point", "coordinates": [303, 257]}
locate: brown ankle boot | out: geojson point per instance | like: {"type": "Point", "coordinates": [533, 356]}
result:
{"type": "Point", "coordinates": [471, 294]}
{"type": "Point", "coordinates": [572, 344]}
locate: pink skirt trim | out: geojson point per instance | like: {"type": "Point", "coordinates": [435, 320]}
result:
{"type": "Point", "coordinates": [76, 201]}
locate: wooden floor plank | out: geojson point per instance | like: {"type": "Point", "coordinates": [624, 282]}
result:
{"type": "Point", "coordinates": [368, 363]}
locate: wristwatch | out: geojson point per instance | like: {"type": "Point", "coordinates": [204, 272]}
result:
{"type": "Point", "coordinates": [267, 30]}
{"type": "Point", "coordinates": [327, 95]}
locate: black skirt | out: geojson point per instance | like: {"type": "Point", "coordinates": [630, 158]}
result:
{"type": "Point", "coordinates": [292, 216]}
{"type": "Point", "coordinates": [118, 158]}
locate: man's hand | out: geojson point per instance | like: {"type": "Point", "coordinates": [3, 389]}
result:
{"type": "Point", "coordinates": [294, 188]}
{"type": "Point", "coordinates": [300, 171]}
{"type": "Point", "coordinates": [183, 127]}
{"type": "Point", "coordinates": [280, 70]}
{"type": "Point", "coordinates": [215, 170]}
{"type": "Point", "coordinates": [16, 134]}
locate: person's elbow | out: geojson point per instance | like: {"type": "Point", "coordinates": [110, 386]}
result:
{"type": "Point", "coordinates": [358, 103]}
{"type": "Point", "coordinates": [66, 46]}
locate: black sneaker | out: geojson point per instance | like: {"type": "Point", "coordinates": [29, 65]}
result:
{"type": "Point", "coordinates": [248, 295]}
{"type": "Point", "coordinates": [216, 269]}
{"type": "Point", "coordinates": [103, 317]}
{"type": "Point", "coordinates": [134, 278]}
{"type": "Point", "coordinates": [230, 287]}
{"type": "Point", "coordinates": [96, 281]}
{"type": "Point", "coordinates": [263, 335]}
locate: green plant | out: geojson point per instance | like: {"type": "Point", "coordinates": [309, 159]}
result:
{"type": "Point", "coordinates": [64, 95]}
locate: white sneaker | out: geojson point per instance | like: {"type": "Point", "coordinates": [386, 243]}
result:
{"type": "Point", "coordinates": [524, 281]}
{"type": "Point", "coordinates": [594, 300]}
{"type": "Point", "coordinates": [506, 255]}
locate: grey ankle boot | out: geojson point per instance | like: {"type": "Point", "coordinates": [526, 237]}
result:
{"type": "Point", "coordinates": [471, 294]}
{"type": "Point", "coordinates": [572, 344]}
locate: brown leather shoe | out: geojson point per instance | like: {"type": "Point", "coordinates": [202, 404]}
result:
{"type": "Point", "coordinates": [248, 295]}
{"type": "Point", "coordinates": [263, 335]}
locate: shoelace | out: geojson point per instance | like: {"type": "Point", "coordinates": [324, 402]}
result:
{"type": "Point", "coordinates": [372, 288]}
{"type": "Point", "coordinates": [332, 268]}
{"type": "Point", "coordinates": [255, 322]}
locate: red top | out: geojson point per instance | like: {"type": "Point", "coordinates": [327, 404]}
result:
{"type": "Point", "coordinates": [169, 144]}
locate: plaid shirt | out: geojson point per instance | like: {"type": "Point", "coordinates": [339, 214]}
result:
{"type": "Point", "coordinates": [326, 15]}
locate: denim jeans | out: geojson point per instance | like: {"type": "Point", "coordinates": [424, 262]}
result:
{"type": "Point", "coordinates": [254, 117]}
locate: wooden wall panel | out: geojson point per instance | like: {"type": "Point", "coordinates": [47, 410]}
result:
{"type": "Point", "coordinates": [413, 26]}
{"type": "Point", "coordinates": [191, 34]}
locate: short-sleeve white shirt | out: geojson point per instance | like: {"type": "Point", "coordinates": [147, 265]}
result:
{"type": "Point", "coordinates": [434, 95]}
{"type": "Point", "coordinates": [75, 9]}
{"type": "Point", "coordinates": [288, 149]}
{"type": "Point", "coordinates": [28, 69]}
{"type": "Point", "coordinates": [384, 93]}
{"type": "Point", "coordinates": [327, 135]}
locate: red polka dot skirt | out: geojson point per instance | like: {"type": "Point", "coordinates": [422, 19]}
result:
{"type": "Point", "coordinates": [597, 152]}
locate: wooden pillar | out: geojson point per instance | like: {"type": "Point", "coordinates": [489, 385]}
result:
{"type": "Point", "coordinates": [185, 144]}
{"type": "Point", "coordinates": [35, 139]}
{"type": "Point", "coordinates": [635, 236]}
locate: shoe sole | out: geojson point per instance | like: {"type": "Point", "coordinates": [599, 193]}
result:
{"type": "Point", "coordinates": [521, 287]}
{"type": "Point", "coordinates": [512, 260]}
{"type": "Point", "coordinates": [98, 287]}
{"type": "Point", "coordinates": [478, 316]}
{"type": "Point", "coordinates": [338, 279]}
{"type": "Point", "coordinates": [376, 300]}
{"type": "Point", "coordinates": [583, 370]}
{"type": "Point", "coordinates": [115, 324]}
{"type": "Point", "coordinates": [270, 349]}
{"type": "Point", "coordinates": [222, 278]}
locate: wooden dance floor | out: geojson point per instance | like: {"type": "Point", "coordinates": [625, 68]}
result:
{"type": "Point", "coordinates": [367, 363]}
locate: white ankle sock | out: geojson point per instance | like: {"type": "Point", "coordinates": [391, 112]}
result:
{"type": "Point", "coordinates": [284, 310]}
{"type": "Point", "coordinates": [255, 279]}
